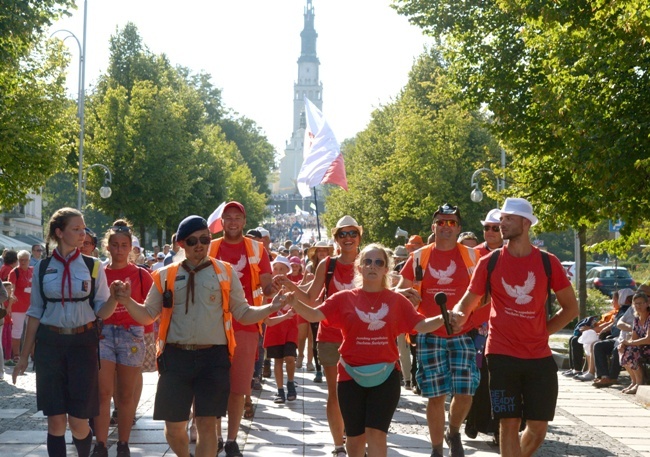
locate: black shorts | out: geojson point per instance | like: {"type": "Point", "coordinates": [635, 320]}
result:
{"type": "Point", "coordinates": [525, 388]}
{"type": "Point", "coordinates": [368, 407]}
{"type": "Point", "coordinates": [67, 373]}
{"type": "Point", "coordinates": [185, 376]}
{"type": "Point", "coordinates": [288, 349]}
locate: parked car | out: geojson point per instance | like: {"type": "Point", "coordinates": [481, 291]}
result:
{"type": "Point", "coordinates": [570, 268]}
{"type": "Point", "coordinates": [609, 279]}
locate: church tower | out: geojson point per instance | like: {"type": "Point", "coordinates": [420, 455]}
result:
{"type": "Point", "coordinates": [308, 84]}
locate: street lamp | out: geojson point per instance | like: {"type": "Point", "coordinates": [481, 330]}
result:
{"type": "Point", "coordinates": [81, 100]}
{"type": "Point", "coordinates": [105, 191]}
{"type": "Point", "coordinates": [476, 195]}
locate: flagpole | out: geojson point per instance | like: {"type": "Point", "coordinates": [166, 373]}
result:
{"type": "Point", "coordinates": [317, 221]}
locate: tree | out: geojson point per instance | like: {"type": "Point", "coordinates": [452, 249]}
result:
{"type": "Point", "coordinates": [416, 154]}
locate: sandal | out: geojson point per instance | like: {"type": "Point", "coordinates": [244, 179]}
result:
{"type": "Point", "coordinates": [291, 391]}
{"type": "Point", "coordinates": [249, 410]}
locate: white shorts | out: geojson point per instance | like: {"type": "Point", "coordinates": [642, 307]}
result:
{"type": "Point", "coordinates": [18, 320]}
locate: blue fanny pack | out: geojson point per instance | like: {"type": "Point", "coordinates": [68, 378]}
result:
{"type": "Point", "coordinates": [369, 375]}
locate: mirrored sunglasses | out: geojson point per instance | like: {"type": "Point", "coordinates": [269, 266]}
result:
{"type": "Point", "coordinates": [193, 241]}
{"type": "Point", "coordinates": [351, 233]}
{"type": "Point", "coordinates": [448, 223]}
{"type": "Point", "coordinates": [378, 262]}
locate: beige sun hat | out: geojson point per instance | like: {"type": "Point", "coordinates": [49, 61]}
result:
{"type": "Point", "coordinates": [320, 244]}
{"type": "Point", "coordinates": [347, 221]}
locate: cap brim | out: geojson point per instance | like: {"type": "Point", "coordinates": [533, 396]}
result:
{"type": "Point", "coordinates": [533, 220]}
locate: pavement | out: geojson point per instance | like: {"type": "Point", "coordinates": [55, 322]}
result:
{"type": "Point", "coordinates": [588, 422]}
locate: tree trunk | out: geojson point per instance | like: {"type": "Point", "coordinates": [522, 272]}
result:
{"type": "Point", "coordinates": [582, 277]}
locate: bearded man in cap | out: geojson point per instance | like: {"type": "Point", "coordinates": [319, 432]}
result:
{"type": "Point", "coordinates": [523, 375]}
{"type": "Point", "coordinates": [253, 267]}
{"type": "Point", "coordinates": [196, 300]}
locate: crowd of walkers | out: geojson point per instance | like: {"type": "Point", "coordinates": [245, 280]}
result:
{"type": "Point", "coordinates": [449, 317]}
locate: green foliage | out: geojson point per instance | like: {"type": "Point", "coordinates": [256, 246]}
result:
{"type": "Point", "coordinates": [416, 154]}
{"type": "Point", "coordinates": [566, 84]}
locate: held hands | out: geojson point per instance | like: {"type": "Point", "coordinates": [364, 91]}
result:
{"type": "Point", "coordinates": [121, 291]}
{"type": "Point", "coordinates": [283, 281]}
{"type": "Point", "coordinates": [457, 320]}
{"type": "Point", "coordinates": [279, 301]}
{"type": "Point", "coordinates": [412, 295]}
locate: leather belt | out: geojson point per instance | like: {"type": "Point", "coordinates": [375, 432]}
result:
{"type": "Point", "coordinates": [71, 331]}
{"type": "Point", "coordinates": [191, 347]}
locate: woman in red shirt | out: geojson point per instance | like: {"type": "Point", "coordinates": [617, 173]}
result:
{"type": "Point", "coordinates": [122, 347]}
{"type": "Point", "coordinates": [370, 316]}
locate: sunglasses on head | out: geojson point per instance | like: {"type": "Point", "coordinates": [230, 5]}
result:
{"type": "Point", "coordinates": [494, 228]}
{"type": "Point", "coordinates": [378, 262]}
{"type": "Point", "coordinates": [448, 223]}
{"type": "Point", "coordinates": [193, 241]}
{"type": "Point", "coordinates": [351, 233]}
{"type": "Point", "coordinates": [120, 229]}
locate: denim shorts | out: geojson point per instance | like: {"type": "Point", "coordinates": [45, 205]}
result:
{"type": "Point", "coordinates": [123, 346]}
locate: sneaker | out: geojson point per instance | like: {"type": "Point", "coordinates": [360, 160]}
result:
{"type": "Point", "coordinates": [318, 377]}
{"type": "Point", "coordinates": [291, 391]}
{"type": "Point", "coordinates": [219, 445]}
{"type": "Point", "coordinates": [232, 449]}
{"type": "Point", "coordinates": [578, 373]}
{"type": "Point", "coordinates": [455, 444]}
{"type": "Point", "coordinates": [586, 377]}
{"type": "Point", "coordinates": [471, 431]}
{"type": "Point", "coordinates": [10, 363]}
{"type": "Point", "coordinates": [280, 398]}
{"type": "Point", "coordinates": [339, 452]}
{"type": "Point", "coordinates": [310, 367]}
{"type": "Point", "coordinates": [99, 450]}
{"type": "Point", "coordinates": [123, 449]}
{"type": "Point", "coordinates": [570, 373]}
{"type": "Point", "coordinates": [407, 385]}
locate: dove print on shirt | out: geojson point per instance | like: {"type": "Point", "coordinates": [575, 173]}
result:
{"type": "Point", "coordinates": [239, 266]}
{"type": "Point", "coordinates": [443, 276]}
{"type": "Point", "coordinates": [521, 294]}
{"type": "Point", "coordinates": [342, 286]}
{"type": "Point", "coordinates": [374, 320]}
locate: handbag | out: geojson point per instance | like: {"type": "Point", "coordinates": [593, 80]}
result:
{"type": "Point", "coordinates": [369, 375]}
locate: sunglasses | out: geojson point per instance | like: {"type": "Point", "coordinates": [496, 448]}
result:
{"type": "Point", "coordinates": [351, 233]}
{"type": "Point", "coordinates": [494, 228]}
{"type": "Point", "coordinates": [120, 229]}
{"type": "Point", "coordinates": [378, 262]}
{"type": "Point", "coordinates": [448, 223]}
{"type": "Point", "coordinates": [193, 241]}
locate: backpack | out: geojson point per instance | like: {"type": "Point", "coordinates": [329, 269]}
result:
{"type": "Point", "coordinates": [329, 275]}
{"type": "Point", "coordinates": [93, 268]}
{"type": "Point", "coordinates": [547, 268]}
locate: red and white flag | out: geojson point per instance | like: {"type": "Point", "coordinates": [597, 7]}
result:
{"type": "Point", "coordinates": [322, 158]}
{"type": "Point", "coordinates": [214, 221]}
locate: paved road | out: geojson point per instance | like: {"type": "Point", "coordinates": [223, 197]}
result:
{"type": "Point", "coordinates": [589, 422]}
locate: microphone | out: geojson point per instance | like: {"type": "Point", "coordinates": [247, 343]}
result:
{"type": "Point", "coordinates": [441, 300]}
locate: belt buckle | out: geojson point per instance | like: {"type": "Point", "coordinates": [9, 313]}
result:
{"type": "Point", "coordinates": [191, 347]}
{"type": "Point", "coordinates": [66, 331]}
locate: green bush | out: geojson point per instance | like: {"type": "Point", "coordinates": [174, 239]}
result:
{"type": "Point", "coordinates": [597, 304]}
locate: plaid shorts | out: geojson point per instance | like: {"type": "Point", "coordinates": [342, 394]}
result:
{"type": "Point", "coordinates": [446, 365]}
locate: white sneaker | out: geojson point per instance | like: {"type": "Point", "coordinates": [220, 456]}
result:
{"type": "Point", "coordinates": [310, 366]}
{"type": "Point", "coordinates": [586, 377]}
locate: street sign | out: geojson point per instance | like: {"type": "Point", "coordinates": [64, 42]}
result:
{"type": "Point", "coordinates": [616, 226]}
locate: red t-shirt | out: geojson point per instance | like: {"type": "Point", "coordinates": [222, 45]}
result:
{"type": "Point", "coordinates": [370, 323]}
{"type": "Point", "coordinates": [5, 270]}
{"type": "Point", "coordinates": [284, 332]}
{"type": "Point", "coordinates": [235, 254]}
{"type": "Point", "coordinates": [518, 307]}
{"type": "Point", "coordinates": [446, 272]}
{"type": "Point", "coordinates": [139, 291]}
{"type": "Point", "coordinates": [482, 249]}
{"type": "Point", "coordinates": [22, 288]}
{"type": "Point", "coordinates": [342, 279]}
{"type": "Point", "coordinates": [295, 278]}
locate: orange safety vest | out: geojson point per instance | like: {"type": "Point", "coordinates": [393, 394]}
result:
{"type": "Point", "coordinates": [253, 253]}
{"type": "Point", "coordinates": [224, 274]}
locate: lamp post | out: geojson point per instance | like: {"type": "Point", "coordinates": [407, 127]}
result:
{"type": "Point", "coordinates": [81, 98]}
{"type": "Point", "coordinates": [105, 191]}
{"type": "Point", "coordinates": [476, 194]}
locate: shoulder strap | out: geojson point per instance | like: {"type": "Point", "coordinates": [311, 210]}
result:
{"type": "Point", "coordinates": [42, 268]}
{"type": "Point", "coordinates": [17, 270]}
{"type": "Point", "coordinates": [93, 267]}
{"type": "Point", "coordinates": [490, 268]}
{"type": "Point", "coordinates": [547, 268]}
{"type": "Point", "coordinates": [330, 273]}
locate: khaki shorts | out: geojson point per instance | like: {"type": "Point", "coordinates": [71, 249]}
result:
{"type": "Point", "coordinates": [328, 354]}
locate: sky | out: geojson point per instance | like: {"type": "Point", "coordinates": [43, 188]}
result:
{"type": "Point", "coordinates": [251, 48]}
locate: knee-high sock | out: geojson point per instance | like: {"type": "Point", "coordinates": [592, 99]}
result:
{"type": "Point", "coordinates": [55, 446]}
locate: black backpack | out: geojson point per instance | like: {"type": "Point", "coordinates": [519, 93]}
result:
{"type": "Point", "coordinates": [93, 268]}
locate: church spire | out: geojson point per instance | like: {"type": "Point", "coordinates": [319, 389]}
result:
{"type": "Point", "coordinates": [308, 36]}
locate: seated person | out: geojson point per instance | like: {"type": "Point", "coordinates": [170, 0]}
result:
{"type": "Point", "coordinates": [637, 347]}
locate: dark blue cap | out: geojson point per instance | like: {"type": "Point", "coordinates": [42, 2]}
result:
{"type": "Point", "coordinates": [190, 225]}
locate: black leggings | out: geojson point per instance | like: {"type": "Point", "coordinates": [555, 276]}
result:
{"type": "Point", "coordinates": [314, 333]}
